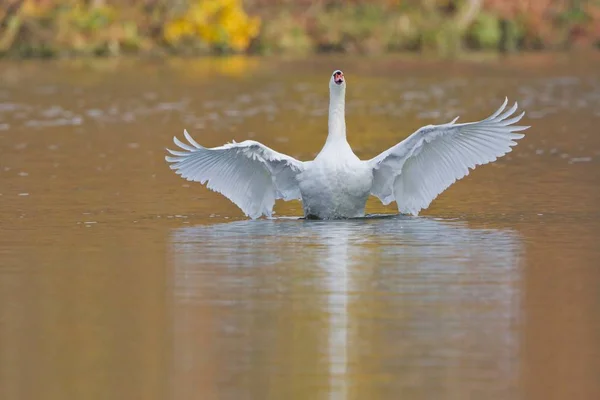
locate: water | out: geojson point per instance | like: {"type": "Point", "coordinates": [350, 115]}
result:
{"type": "Point", "coordinates": [119, 280]}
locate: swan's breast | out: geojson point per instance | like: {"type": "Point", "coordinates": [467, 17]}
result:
{"type": "Point", "coordinates": [336, 189]}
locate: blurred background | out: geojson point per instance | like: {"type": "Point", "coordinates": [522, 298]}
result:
{"type": "Point", "coordinates": [52, 28]}
{"type": "Point", "coordinates": [119, 280]}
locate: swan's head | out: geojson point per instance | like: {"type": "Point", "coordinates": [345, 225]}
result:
{"type": "Point", "coordinates": [337, 82]}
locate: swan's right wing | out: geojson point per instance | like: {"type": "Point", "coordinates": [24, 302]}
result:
{"type": "Point", "coordinates": [418, 169]}
{"type": "Point", "coordinates": [249, 173]}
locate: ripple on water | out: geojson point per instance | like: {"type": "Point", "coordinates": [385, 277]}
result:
{"type": "Point", "coordinates": [54, 122]}
{"type": "Point", "coordinates": [580, 160]}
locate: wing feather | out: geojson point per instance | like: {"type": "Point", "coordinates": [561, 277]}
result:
{"type": "Point", "coordinates": [415, 171]}
{"type": "Point", "coordinates": [249, 173]}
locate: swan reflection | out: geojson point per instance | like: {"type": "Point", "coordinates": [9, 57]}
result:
{"type": "Point", "coordinates": [272, 307]}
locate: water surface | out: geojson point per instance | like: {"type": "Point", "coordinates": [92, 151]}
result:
{"type": "Point", "coordinates": [119, 280]}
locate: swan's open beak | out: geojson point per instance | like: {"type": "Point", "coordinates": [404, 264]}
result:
{"type": "Point", "coordinates": [338, 78]}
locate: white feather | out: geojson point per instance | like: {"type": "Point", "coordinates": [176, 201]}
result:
{"type": "Point", "coordinates": [249, 173]}
{"type": "Point", "coordinates": [415, 171]}
{"type": "Point", "coordinates": [336, 184]}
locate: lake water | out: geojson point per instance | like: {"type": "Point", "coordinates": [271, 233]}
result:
{"type": "Point", "coordinates": [119, 280]}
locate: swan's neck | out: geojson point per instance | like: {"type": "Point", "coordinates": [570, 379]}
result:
{"type": "Point", "coordinates": [337, 118]}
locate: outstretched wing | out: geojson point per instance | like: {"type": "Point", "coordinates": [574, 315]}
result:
{"type": "Point", "coordinates": [249, 173]}
{"type": "Point", "coordinates": [418, 169]}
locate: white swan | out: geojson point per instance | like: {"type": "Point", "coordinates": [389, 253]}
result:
{"type": "Point", "coordinates": [336, 184]}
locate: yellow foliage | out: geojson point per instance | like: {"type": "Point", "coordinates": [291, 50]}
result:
{"type": "Point", "coordinates": [215, 22]}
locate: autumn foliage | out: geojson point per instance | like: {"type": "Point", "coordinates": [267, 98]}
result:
{"type": "Point", "coordinates": [50, 28]}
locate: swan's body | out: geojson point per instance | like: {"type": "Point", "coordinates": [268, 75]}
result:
{"type": "Point", "coordinates": [336, 184]}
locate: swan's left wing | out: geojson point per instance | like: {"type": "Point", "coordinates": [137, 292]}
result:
{"type": "Point", "coordinates": [249, 173]}
{"type": "Point", "coordinates": [418, 169]}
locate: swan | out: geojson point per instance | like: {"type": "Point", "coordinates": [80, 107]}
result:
{"type": "Point", "coordinates": [336, 184]}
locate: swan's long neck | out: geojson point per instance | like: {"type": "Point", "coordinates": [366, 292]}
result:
{"type": "Point", "coordinates": [337, 117]}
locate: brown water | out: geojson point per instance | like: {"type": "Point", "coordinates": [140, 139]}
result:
{"type": "Point", "coordinates": [119, 280]}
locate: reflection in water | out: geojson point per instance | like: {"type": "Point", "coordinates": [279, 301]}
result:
{"type": "Point", "coordinates": [338, 260]}
{"type": "Point", "coordinates": [381, 304]}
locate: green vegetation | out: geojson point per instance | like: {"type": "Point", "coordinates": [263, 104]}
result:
{"type": "Point", "coordinates": [53, 28]}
